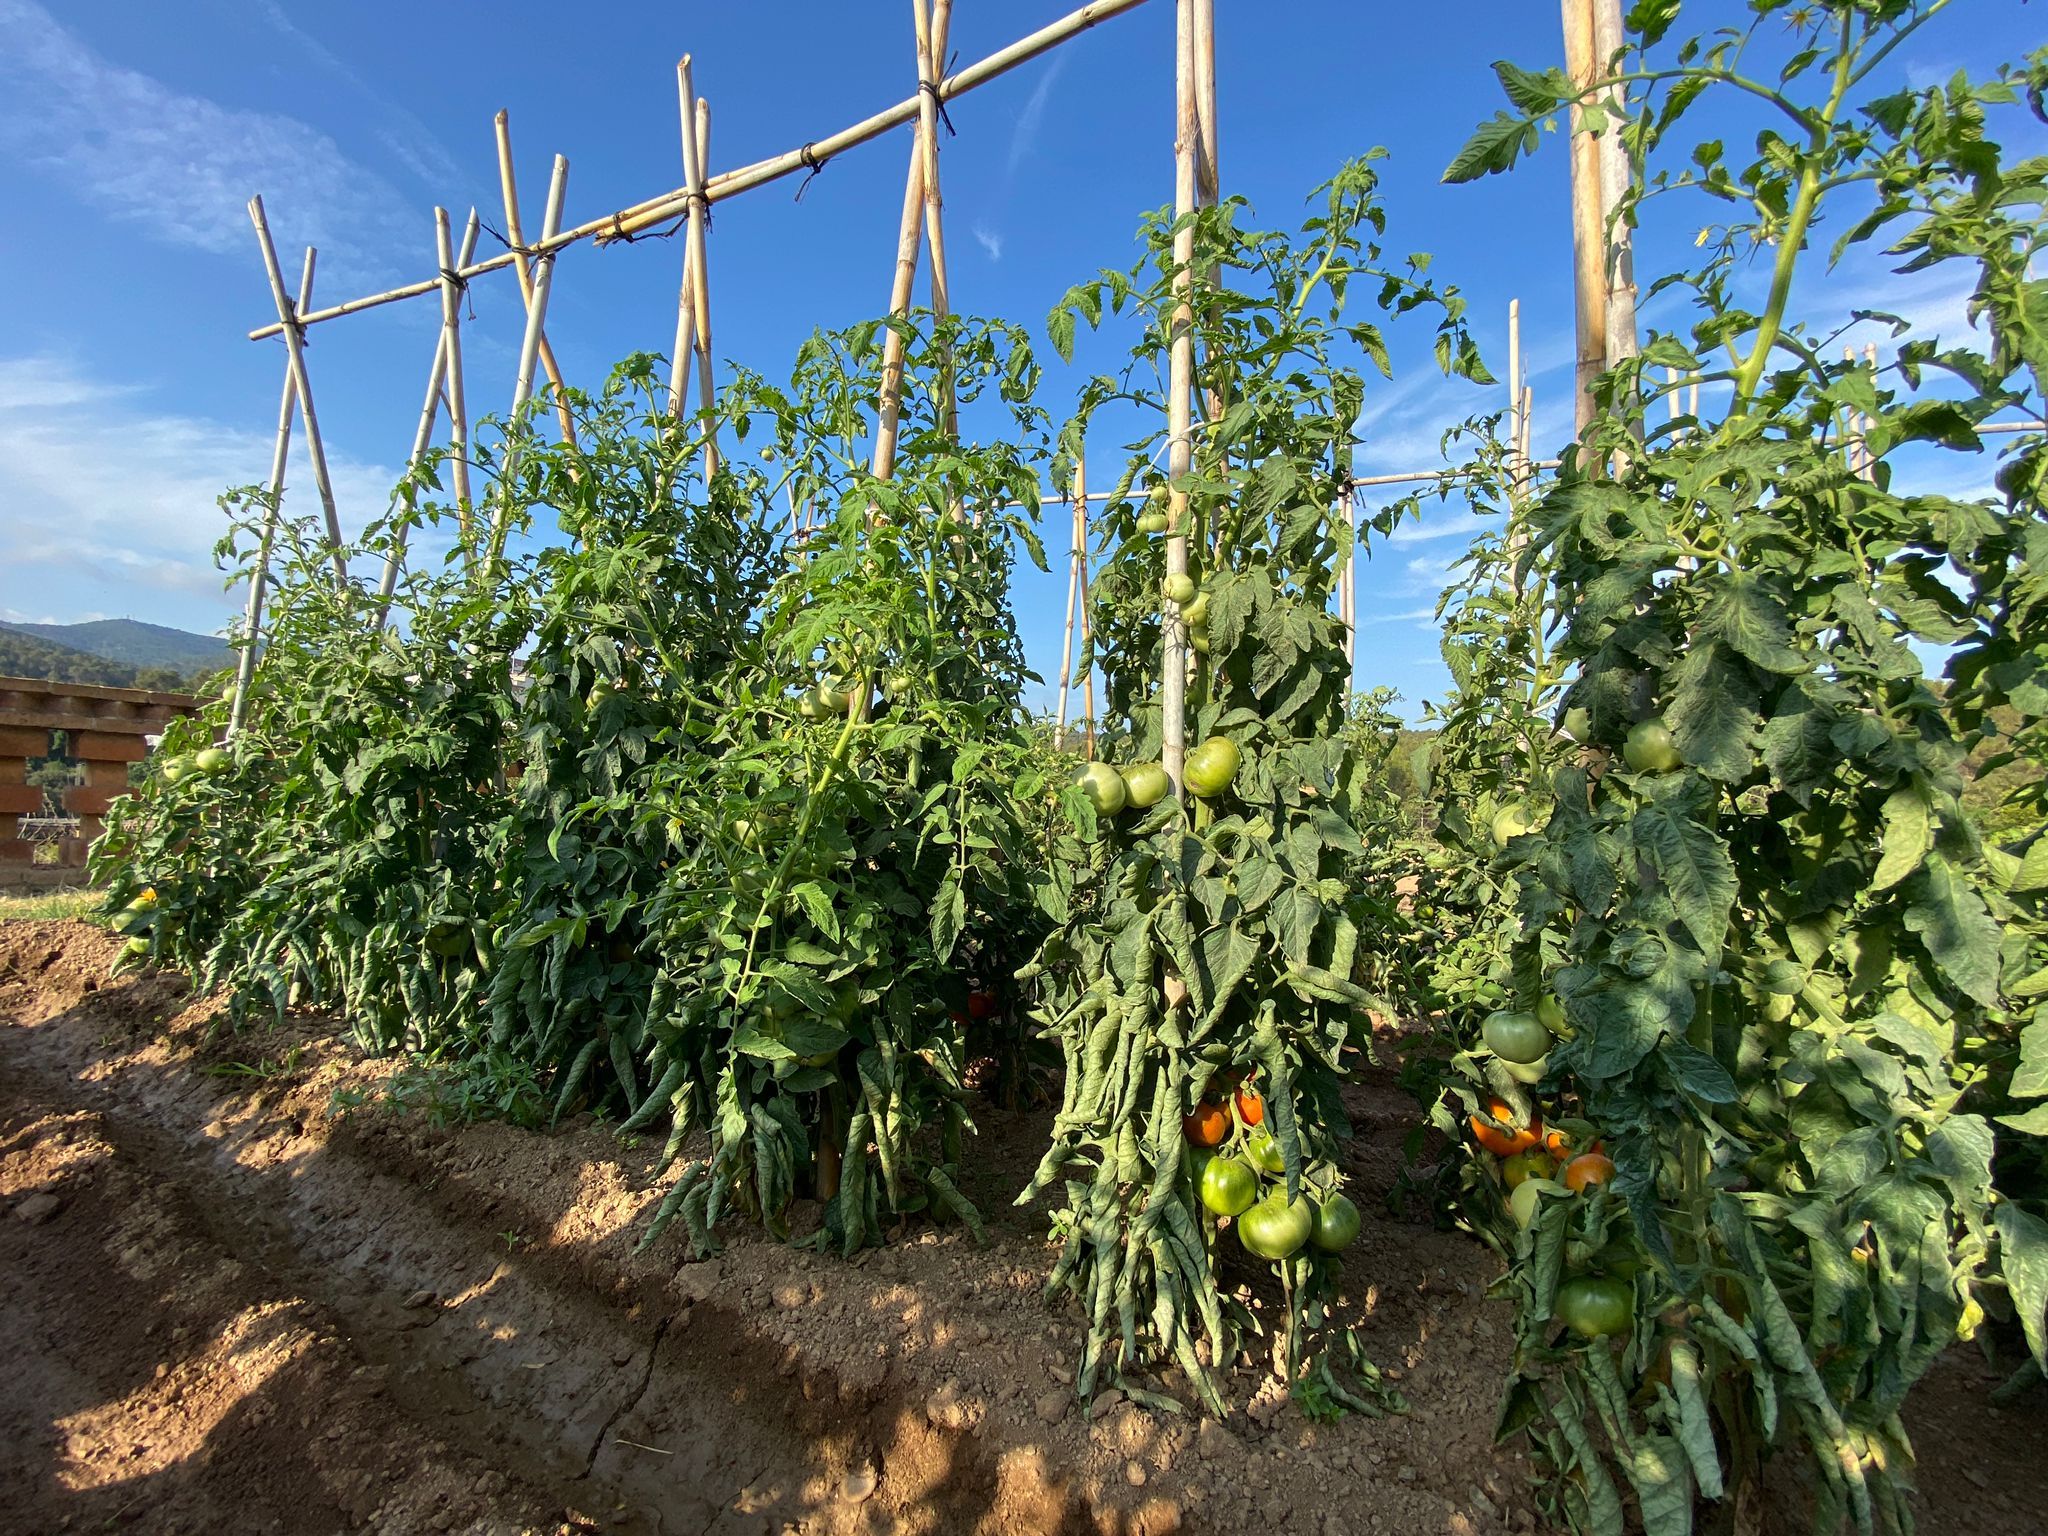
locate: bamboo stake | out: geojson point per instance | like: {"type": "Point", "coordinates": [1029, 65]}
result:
{"type": "Point", "coordinates": [889, 412]}
{"type": "Point", "coordinates": [686, 304]}
{"type": "Point", "coordinates": [1869, 458]}
{"type": "Point", "coordinates": [423, 435]}
{"type": "Point", "coordinates": [1692, 403]}
{"type": "Point", "coordinates": [1208, 174]}
{"type": "Point", "coordinates": [1589, 232]}
{"type": "Point", "coordinates": [1528, 411]}
{"type": "Point", "coordinates": [509, 185]}
{"type": "Point", "coordinates": [295, 362]}
{"type": "Point", "coordinates": [1514, 399]}
{"type": "Point", "coordinates": [1078, 559]}
{"type": "Point", "coordinates": [451, 343]}
{"type": "Point", "coordinates": [529, 353]}
{"type": "Point", "coordinates": [695, 153]}
{"type": "Point", "coordinates": [1180, 391]}
{"type": "Point", "coordinates": [1618, 269]}
{"type": "Point", "coordinates": [934, 25]}
{"type": "Point", "coordinates": [252, 615]}
{"type": "Point", "coordinates": [640, 217]}
{"type": "Point", "coordinates": [1671, 393]}
{"type": "Point", "coordinates": [1087, 641]}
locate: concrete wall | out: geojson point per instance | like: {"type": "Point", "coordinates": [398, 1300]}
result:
{"type": "Point", "coordinates": [106, 728]}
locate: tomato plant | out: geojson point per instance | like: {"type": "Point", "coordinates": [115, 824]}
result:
{"type": "Point", "coordinates": [1758, 899]}
{"type": "Point", "coordinates": [1224, 930]}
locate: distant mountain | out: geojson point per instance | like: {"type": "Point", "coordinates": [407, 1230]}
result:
{"type": "Point", "coordinates": [26, 650]}
{"type": "Point", "coordinates": [142, 646]}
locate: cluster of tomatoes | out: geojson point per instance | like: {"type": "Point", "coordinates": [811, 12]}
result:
{"type": "Point", "coordinates": [1207, 772]}
{"type": "Point", "coordinates": [1238, 1166]}
{"type": "Point", "coordinates": [1537, 1161]}
{"type": "Point", "coordinates": [136, 920]}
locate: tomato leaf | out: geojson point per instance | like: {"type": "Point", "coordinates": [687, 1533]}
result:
{"type": "Point", "coordinates": [2023, 1260]}
{"type": "Point", "coordinates": [1695, 867]}
{"type": "Point", "coordinates": [1958, 930]}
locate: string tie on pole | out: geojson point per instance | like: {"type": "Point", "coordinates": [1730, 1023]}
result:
{"type": "Point", "coordinates": [809, 157]}
{"type": "Point", "coordinates": [931, 88]}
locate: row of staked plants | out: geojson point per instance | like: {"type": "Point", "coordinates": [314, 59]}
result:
{"type": "Point", "coordinates": [1729, 1010]}
{"type": "Point", "coordinates": [1736, 1008]}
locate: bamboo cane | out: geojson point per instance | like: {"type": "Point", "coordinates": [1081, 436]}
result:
{"type": "Point", "coordinates": [1589, 233]}
{"type": "Point", "coordinates": [1087, 644]}
{"type": "Point", "coordinates": [1180, 391]}
{"type": "Point", "coordinates": [252, 614]}
{"type": "Point", "coordinates": [686, 304]}
{"type": "Point", "coordinates": [423, 435]}
{"type": "Point", "coordinates": [695, 154]}
{"type": "Point", "coordinates": [640, 217]}
{"type": "Point", "coordinates": [890, 409]}
{"type": "Point", "coordinates": [1618, 246]}
{"type": "Point", "coordinates": [1869, 458]}
{"type": "Point", "coordinates": [295, 359]}
{"type": "Point", "coordinates": [509, 186]}
{"type": "Point", "coordinates": [1514, 399]}
{"type": "Point", "coordinates": [1208, 175]}
{"type": "Point", "coordinates": [933, 26]}
{"type": "Point", "coordinates": [451, 341]}
{"type": "Point", "coordinates": [529, 354]}
{"type": "Point", "coordinates": [1075, 562]}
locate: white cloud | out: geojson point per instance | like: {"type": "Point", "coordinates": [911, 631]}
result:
{"type": "Point", "coordinates": [989, 240]}
{"type": "Point", "coordinates": [111, 507]}
{"type": "Point", "coordinates": [1024, 133]}
{"type": "Point", "coordinates": [181, 167]}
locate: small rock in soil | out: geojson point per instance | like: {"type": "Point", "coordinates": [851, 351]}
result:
{"type": "Point", "coordinates": [1134, 1473]}
{"type": "Point", "coordinates": [790, 1292]}
{"type": "Point", "coordinates": [420, 1299]}
{"type": "Point", "coordinates": [1052, 1406]}
{"type": "Point", "coordinates": [1213, 1442]}
{"type": "Point", "coordinates": [38, 1208]}
{"type": "Point", "coordinates": [860, 1484]}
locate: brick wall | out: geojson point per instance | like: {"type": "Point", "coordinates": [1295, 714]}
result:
{"type": "Point", "coordinates": [106, 730]}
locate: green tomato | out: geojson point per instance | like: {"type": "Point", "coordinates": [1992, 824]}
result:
{"type": "Point", "coordinates": [1336, 1225]}
{"type": "Point", "coordinates": [1103, 786]}
{"type": "Point", "coordinates": [1595, 1308]}
{"type": "Point", "coordinates": [1530, 1072]}
{"type": "Point", "coordinates": [1273, 1229]}
{"type": "Point", "coordinates": [897, 684]}
{"type": "Point", "coordinates": [1229, 1186]}
{"type": "Point", "coordinates": [1198, 641]}
{"type": "Point", "coordinates": [1211, 766]}
{"type": "Point", "coordinates": [174, 769]}
{"type": "Point", "coordinates": [810, 706]}
{"type": "Point", "coordinates": [1522, 1202]}
{"type": "Point", "coordinates": [1265, 1152]}
{"type": "Point", "coordinates": [1550, 1014]}
{"type": "Point", "coordinates": [1180, 588]}
{"type": "Point", "coordinates": [1152, 522]}
{"type": "Point", "coordinates": [1535, 1163]}
{"type": "Point", "coordinates": [135, 948]}
{"type": "Point", "coordinates": [1509, 822]}
{"type": "Point", "coordinates": [1577, 723]}
{"type": "Point", "coordinates": [832, 693]}
{"type": "Point", "coordinates": [1197, 612]}
{"type": "Point", "coordinates": [1145, 785]}
{"type": "Point", "coordinates": [1518, 1037]}
{"type": "Point", "coordinates": [212, 760]}
{"type": "Point", "coordinates": [1650, 747]}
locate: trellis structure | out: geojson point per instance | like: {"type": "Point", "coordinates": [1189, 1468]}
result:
{"type": "Point", "coordinates": [1603, 282]}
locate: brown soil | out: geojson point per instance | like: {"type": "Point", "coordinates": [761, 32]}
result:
{"type": "Point", "coordinates": [227, 1307]}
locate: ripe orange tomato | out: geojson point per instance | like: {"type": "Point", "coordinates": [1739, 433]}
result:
{"type": "Point", "coordinates": [1587, 1168]}
{"type": "Point", "coordinates": [1557, 1143]}
{"type": "Point", "coordinates": [1207, 1126]}
{"type": "Point", "coordinates": [1250, 1107]}
{"type": "Point", "coordinates": [1496, 1132]}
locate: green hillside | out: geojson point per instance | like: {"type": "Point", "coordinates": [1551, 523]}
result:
{"type": "Point", "coordinates": [29, 655]}
{"type": "Point", "coordinates": [137, 644]}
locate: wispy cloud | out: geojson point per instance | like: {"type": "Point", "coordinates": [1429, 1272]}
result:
{"type": "Point", "coordinates": [410, 141]}
{"type": "Point", "coordinates": [181, 167]}
{"type": "Point", "coordinates": [114, 505]}
{"type": "Point", "coordinates": [988, 240]}
{"type": "Point", "coordinates": [1024, 132]}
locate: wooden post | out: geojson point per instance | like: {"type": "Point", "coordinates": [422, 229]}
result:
{"type": "Point", "coordinates": [509, 186]}
{"type": "Point", "coordinates": [686, 300]}
{"type": "Point", "coordinates": [295, 361]}
{"type": "Point", "coordinates": [1514, 400]}
{"type": "Point", "coordinates": [1589, 234]}
{"type": "Point", "coordinates": [252, 614]}
{"type": "Point", "coordinates": [529, 354]}
{"type": "Point", "coordinates": [933, 25]}
{"type": "Point", "coordinates": [1618, 269]}
{"type": "Point", "coordinates": [699, 206]}
{"type": "Point", "coordinates": [423, 435]}
{"type": "Point", "coordinates": [451, 345]}
{"type": "Point", "coordinates": [1180, 391]}
{"type": "Point", "coordinates": [1869, 459]}
{"type": "Point", "coordinates": [890, 409]}
{"type": "Point", "coordinates": [1075, 565]}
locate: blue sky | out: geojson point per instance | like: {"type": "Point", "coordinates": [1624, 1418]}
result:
{"type": "Point", "coordinates": [132, 132]}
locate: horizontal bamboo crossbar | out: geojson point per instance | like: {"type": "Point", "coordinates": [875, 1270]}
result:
{"type": "Point", "coordinates": [627, 222]}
